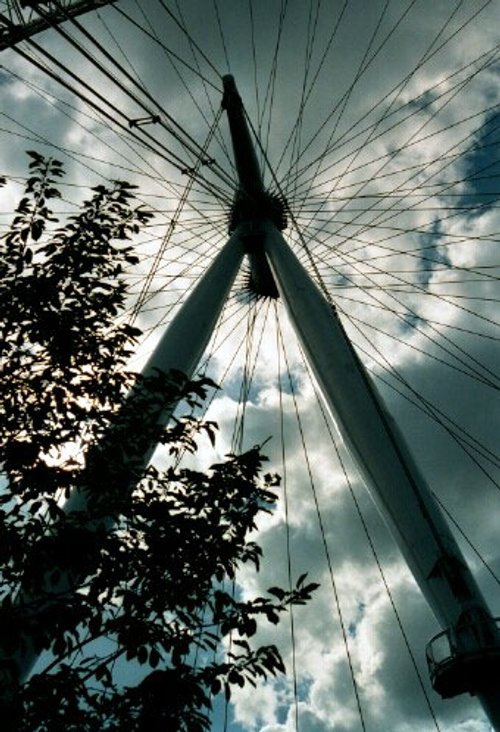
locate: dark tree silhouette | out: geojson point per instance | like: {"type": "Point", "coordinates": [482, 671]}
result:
{"type": "Point", "coordinates": [139, 585]}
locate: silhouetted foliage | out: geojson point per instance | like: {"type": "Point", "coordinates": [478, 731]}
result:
{"type": "Point", "coordinates": [132, 597]}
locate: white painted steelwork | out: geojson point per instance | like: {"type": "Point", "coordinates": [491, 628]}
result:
{"type": "Point", "coordinates": [186, 338]}
{"type": "Point", "coordinates": [369, 432]}
{"type": "Point", "coordinates": [372, 437]}
{"type": "Point", "coordinates": [380, 451]}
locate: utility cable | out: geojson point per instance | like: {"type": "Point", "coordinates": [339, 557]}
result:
{"type": "Point", "coordinates": [281, 346]}
{"type": "Point", "coordinates": [371, 545]}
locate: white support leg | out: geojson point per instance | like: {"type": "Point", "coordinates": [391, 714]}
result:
{"type": "Point", "coordinates": [397, 486]}
{"type": "Point", "coordinates": [186, 338]}
{"type": "Point", "coordinates": [374, 440]}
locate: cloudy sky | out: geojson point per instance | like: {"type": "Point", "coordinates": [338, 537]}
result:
{"type": "Point", "coordinates": [379, 122]}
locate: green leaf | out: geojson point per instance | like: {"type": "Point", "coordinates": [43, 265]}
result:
{"type": "Point", "coordinates": [273, 617]}
{"type": "Point", "coordinates": [277, 592]}
{"type": "Point", "coordinates": [55, 576]}
{"type": "Point", "coordinates": [311, 587]}
{"type": "Point", "coordinates": [215, 686]}
{"type": "Point", "coordinates": [149, 558]}
{"type": "Point", "coordinates": [154, 658]}
{"type": "Point", "coordinates": [301, 579]}
{"type": "Point", "coordinates": [142, 655]}
{"type": "Point", "coordinates": [59, 646]}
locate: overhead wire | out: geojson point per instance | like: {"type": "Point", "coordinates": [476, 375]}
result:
{"type": "Point", "coordinates": [173, 127]}
{"type": "Point", "coordinates": [312, 27]}
{"type": "Point", "coordinates": [221, 33]}
{"type": "Point", "coordinates": [279, 347]}
{"type": "Point", "coordinates": [174, 55]}
{"type": "Point", "coordinates": [178, 131]}
{"type": "Point", "coordinates": [220, 139]}
{"type": "Point", "coordinates": [439, 336]}
{"type": "Point", "coordinates": [338, 606]}
{"type": "Point", "coordinates": [369, 539]}
{"type": "Point", "coordinates": [363, 67]}
{"type": "Point", "coordinates": [271, 82]}
{"type": "Point", "coordinates": [429, 408]}
{"type": "Point", "coordinates": [173, 223]}
{"type": "Point", "coordinates": [324, 266]}
{"type": "Point", "coordinates": [395, 89]}
{"type": "Point", "coordinates": [324, 56]}
{"type": "Point", "coordinates": [151, 174]}
{"type": "Point", "coordinates": [150, 141]}
{"type": "Point", "coordinates": [387, 158]}
{"type": "Point", "coordinates": [254, 58]}
{"type": "Point", "coordinates": [166, 153]}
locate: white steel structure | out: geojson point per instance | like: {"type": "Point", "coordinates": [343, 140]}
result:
{"type": "Point", "coordinates": [471, 664]}
{"type": "Point", "coordinates": [376, 443]}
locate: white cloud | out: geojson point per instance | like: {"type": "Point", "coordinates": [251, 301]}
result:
{"type": "Point", "coordinates": [389, 693]}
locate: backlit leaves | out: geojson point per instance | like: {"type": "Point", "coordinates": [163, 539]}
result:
{"type": "Point", "coordinates": [141, 576]}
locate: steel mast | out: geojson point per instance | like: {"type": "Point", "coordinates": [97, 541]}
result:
{"type": "Point", "coordinates": [472, 661]}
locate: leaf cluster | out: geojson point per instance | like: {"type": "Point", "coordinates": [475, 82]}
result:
{"type": "Point", "coordinates": [142, 579]}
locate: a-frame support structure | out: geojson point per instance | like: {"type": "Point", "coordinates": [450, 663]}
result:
{"type": "Point", "coordinates": [401, 493]}
{"type": "Point", "coordinates": [473, 662]}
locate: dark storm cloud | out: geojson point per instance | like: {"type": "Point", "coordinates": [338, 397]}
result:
{"type": "Point", "coordinates": [390, 693]}
{"type": "Point", "coordinates": [481, 167]}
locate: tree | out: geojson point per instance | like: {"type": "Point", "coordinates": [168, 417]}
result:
{"type": "Point", "coordinates": [142, 580]}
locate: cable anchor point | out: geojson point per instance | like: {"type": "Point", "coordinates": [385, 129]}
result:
{"type": "Point", "coordinates": [142, 121]}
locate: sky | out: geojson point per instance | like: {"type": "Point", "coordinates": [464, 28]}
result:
{"type": "Point", "coordinates": [379, 124]}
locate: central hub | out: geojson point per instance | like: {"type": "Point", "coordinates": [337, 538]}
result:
{"type": "Point", "coordinates": [260, 207]}
{"type": "Point", "coordinates": [248, 212]}
{"type": "Point", "coordinates": [252, 204]}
